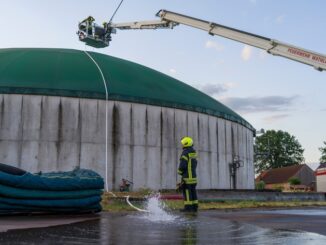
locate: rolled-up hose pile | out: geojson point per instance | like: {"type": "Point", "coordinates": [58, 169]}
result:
{"type": "Point", "coordinates": [77, 191]}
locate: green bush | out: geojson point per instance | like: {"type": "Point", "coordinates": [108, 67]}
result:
{"type": "Point", "coordinates": [278, 187]}
{"type": "Point", "coordinates": [294, 181]}
{"type": "Point", "coordinates": [260, 185]}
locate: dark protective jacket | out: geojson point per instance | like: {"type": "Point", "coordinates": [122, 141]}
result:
{"type": "Point", "coordinates": [187, 166]}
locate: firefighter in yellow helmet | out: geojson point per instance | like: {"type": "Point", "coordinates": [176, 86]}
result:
{"type": "Point", "coordinates": [187, 170]}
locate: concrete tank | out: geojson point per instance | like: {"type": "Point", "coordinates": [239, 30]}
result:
{"type": "Point", "coordinates": [52, 117]}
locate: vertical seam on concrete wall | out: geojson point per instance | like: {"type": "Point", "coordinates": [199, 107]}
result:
{"type": "Point", "coordinates": [198, 132]}
{"type": "Point", "coordinates": [186, 124]}
{"type": "Point", "coordinates": [2, 103]}
{"type": "Point", "coordinates": [115, 124]}
{"type": "Point", "coordinates": [79, 126]}
{"type": "Point", "coordinates": [161, 147]}
{"type": "Point", "coordinates": [217, 152]}
{"type": "Point", "coordinates": [200, 149]}
{"type": "Point", "coordinates": [210, 154]}
{"type": "Point", "coordinates": [40, 135]}
{"type": "Point", "coordinates": [232, 141]}
{"type": "Point", "coordinates": [41, 121]}
{"type": "Point", "coordinates": [226, 153]}
{"type": "Point", "coordinates": [131, 145]}
{"type": "Point", "coordinates": [59, 136]}
{"type": "Point", "coordinates": [146, 146]}
{"type": "Point", "coordinates": [176, 146]}
{"type": "Point", "coordinates": [20, 150]}
{"type": "Point", "coordinates": [233, 145]}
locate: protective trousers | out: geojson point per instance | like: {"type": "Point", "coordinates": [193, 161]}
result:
{"type": "Point", "coordinates": [190, 197]}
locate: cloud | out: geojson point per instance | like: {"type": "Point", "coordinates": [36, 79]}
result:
{"type": "Point", "coordinates": [280, 19]}
{"type": "Point", "coordinates": [275, 118]}
{"type": "Point", "coordinates": [214, 45]}
{"type": "Point", "coordinates": [213, 89]}
{"type": "Point", "coordinates": [253, 1]}
{"type": "Point", "coordinates": [259, 104]}
{"type": "Point", "coordinates": [246, 53]}
{"type": "Point", "coordinates": [173, 71]}
{"type": "Point", "coordinates": [229, 85]}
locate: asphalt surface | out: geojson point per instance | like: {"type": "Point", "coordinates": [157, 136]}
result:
{"type": "Point", "coordinates": [297, 227]}
{"type": "Point", "coordinates": [22, 222]}
{"type": "Point", "coordinates": [309, 220]}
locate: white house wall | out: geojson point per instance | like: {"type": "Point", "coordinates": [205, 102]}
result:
{"type": "Point", "coordinates": [48, 133]}
{"type": "Point", "coordinates": [321, 183]}
{"type": "Point", "coordinates": [321, 179]}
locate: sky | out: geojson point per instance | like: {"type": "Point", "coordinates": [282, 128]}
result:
{"type": "Point", "coordinates": [269, 92]}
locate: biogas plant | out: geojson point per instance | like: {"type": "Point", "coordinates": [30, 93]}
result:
{"type": "Point", "coordinates": [62, 108]}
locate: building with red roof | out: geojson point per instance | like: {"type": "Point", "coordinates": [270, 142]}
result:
{"type": "Point", "coordinates": [278, 178]}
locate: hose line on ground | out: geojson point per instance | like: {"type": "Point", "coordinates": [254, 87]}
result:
{"type": "Point", "coordinates": [134, 207]}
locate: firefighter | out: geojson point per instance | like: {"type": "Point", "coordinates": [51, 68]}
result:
{"type": "Point", "coordinates": [187, 170]}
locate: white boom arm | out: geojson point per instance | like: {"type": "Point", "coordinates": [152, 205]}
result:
{"type": "Point", "coordinates": [170, 19]}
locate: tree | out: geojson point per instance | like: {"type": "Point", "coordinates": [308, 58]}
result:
{"type": "Point", "coordinates": [275, 149]}
{"type": "Point", "coordinates": [323, 153]}
{"type": "Point", "coordinates": [260, 185]}
{"type": "Point", "coordinates": [294, 181]}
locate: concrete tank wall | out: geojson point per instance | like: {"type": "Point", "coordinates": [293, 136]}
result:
{"type": "Point", "coordinates": [44, 133]}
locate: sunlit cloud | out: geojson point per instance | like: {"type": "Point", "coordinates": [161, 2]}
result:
{"type": "Point", "coordinates": [214, 89]}
{"type": "Point", "coordinates": [259, 104]}
{"type": "Point", "coordinates": [172, 70]}
{"type": "Point", "coordinates": [274, 118]}
{"type": "Point", "coordinates": [246, 53]}
{"type": "Point", "coordinates": [214, 45]}
{"type": "Point", "coordinates": [230, 85]}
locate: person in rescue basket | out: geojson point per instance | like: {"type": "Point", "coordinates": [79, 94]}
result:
{"type": "Point", "coordinates": [187, 170]}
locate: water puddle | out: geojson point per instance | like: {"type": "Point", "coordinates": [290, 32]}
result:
{"type": "Point", "coordinates": [161, 226]}
{"type": "Point", "coordinates": [309, 212]}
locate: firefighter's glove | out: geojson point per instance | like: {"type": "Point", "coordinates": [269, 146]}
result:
{"type": "Point", "coordinates": [180, 186]}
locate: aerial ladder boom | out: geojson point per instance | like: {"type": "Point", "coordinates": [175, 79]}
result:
{"type": "Point", "coordinates": [274, 47]}
{"type": "Point", "coordinates": [170, 20]}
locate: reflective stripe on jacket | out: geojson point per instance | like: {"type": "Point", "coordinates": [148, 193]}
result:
{"type": "Point", "coordinates": [187, 166]}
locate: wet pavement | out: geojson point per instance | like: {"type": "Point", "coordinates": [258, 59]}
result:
{"type": "Point", "coordinates": [19, 222]}
{"type": "Point", "coordinates": [207, 227]}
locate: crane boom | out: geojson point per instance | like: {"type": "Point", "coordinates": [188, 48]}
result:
{"type": "Point", "coordinates": [170, 20]}
{"type": "Point", "coordinates": [274, 47]}
{"type": "Point", "coordinates": [151, 24]}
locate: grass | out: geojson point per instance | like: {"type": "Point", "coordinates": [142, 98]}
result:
{"type": "Point", "coordinates": [259, 204]}
{"type": "Point", "coordinates": [119, 204]}
{"type": "Point", "coordinates": [115, 205]}
{"type": "Point", "coordinates": [116, 202]}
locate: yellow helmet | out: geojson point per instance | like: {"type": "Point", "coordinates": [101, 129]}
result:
{"type": "Point", "coordinates": [187, 141]}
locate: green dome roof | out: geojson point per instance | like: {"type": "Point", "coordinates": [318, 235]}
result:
{"type": "Point", "coordinates": [65, 72]}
